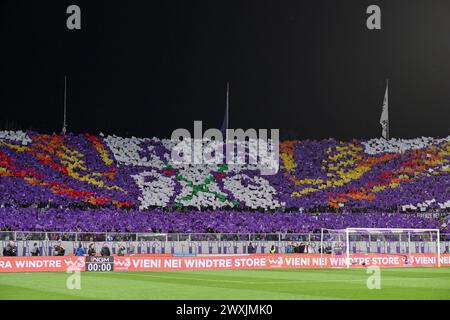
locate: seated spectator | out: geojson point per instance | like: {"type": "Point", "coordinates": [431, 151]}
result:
{"type": "Point", "coordinates": [80, 251]}
{"type": "Point", "coordinates": [35, 250]}
{"type": "Point", "coordinates": [105, 252]}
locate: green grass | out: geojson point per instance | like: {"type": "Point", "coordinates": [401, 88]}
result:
{"type": "Point", "coordinates": [396, 283]}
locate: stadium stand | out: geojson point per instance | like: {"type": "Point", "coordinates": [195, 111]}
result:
{"type": "Point", "coordinates": [89, 182]}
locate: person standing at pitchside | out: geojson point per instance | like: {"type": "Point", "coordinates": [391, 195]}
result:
{"type": "Point", "coordinates": [91, 250]}
{"type": "Point", "coordinates": [80, 251]}
{"type": "Point", "coordinates": [35, 250]}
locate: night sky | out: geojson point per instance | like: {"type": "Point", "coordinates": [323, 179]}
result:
{"type": "Point", "coordinates": [144, 68]}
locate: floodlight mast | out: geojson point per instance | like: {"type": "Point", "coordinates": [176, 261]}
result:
{"type": "Point", "coordinates": [64, 128]}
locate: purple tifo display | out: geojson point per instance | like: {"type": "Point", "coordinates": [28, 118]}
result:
{"type": "Point", "coordinates": [137, 173]}
{"type": "Point", "coordinates": [89, 182]}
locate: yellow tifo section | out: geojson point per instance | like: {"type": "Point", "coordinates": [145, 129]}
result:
{"type": "Point", "coordinates": [70, 159]}
{"type": "Point", "coordinates": [350, 164]}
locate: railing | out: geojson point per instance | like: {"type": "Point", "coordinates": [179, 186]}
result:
{"type": "Point", "coordinates": [114, 236]}
{"type": "Point", "coordinates": [177, 237]}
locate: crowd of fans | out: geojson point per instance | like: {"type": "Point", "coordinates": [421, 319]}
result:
{"type": "Point", "coordinates": [88, 171]}
{"type": "Point", "coordinates": [96, 183]}
{"type": "Point", "coordinates": [295, 247]}
{"type": "Point", "coordinates": [10, 250]}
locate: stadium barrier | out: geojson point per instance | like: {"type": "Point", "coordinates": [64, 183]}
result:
{"type": "Point", "coordinates": [223, 262]}
{"type": "Point", "coordinates": [177, 237]}
{"type": "Point", "coordinates": [212, 243]}
{"type": "Point", "coordinates": [212, 247]}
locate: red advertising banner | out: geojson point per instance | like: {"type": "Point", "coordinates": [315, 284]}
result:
{"type": "Point", "coordinates": [222, 262]}
{"type": "Point", "coordinates": [269, 261]}
{"type": "Point", "coordinates": [41, 264]}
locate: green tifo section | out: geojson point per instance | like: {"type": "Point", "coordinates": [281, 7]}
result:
{"type": "Point", "coordinates": [396, 283]}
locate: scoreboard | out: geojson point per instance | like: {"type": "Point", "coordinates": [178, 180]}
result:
{"type": "Point", "coordinates": [99, 264]}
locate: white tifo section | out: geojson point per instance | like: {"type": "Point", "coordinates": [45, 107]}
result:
{"type": "Point", "coordinates": [16, 136]}
{"type": "Point", "coordinates": [157, 191]}
{"type": "Point", "coordinates": [423, 206]}
{"type": "Point", "coordinates": [126, 152]}
{"type": "Point", "coordinates": [380, 145]}
{"type": "Point", "coordinates": [259, 193]}
{"type": "Point", "coordinates": [157, 188]}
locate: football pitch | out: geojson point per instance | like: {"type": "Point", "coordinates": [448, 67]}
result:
{"type": "Point", "coordinates": [396, 283]}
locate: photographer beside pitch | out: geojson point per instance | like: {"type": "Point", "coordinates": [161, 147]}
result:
{"type": "Point", "coordinates": [10, 250]}
{"type": "Point", "coordinates": [91, 250]}
{"type": "Point", "coordinates": [105, 252]}
{"type": "Point", "coordinates": [35, 250]}
{"type": "Point", "coordinates": [59, 250]}
{"type": "Point", "coordinates": [121, 251]}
